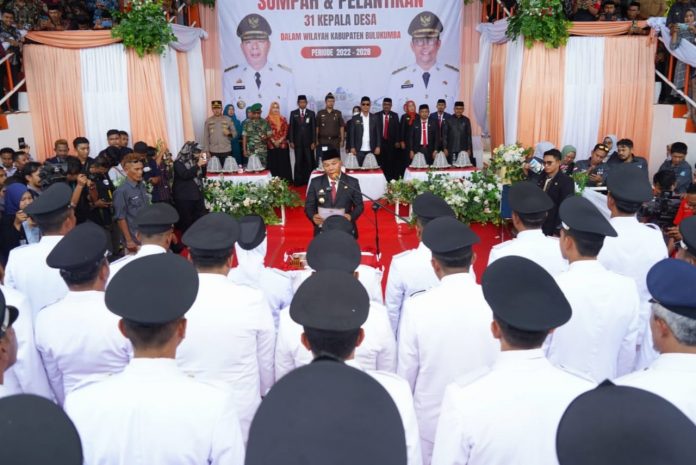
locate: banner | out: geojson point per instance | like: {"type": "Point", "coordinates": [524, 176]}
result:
{"type": "Point", "coordinates": [273, 50]}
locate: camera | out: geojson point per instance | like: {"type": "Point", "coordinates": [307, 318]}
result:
{"type": "Point", "coordinates": [51, 173]}
{"type": "Point", "coordinates": [661, 210]}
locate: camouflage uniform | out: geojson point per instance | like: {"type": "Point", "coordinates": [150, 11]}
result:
{"type": "Point", "coordinates": [255, 130]}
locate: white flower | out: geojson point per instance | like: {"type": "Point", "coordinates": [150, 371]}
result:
{"type": "Point", "coordinates": [477, 199]}
{"type": "Point", "coordinates": [247, 202]}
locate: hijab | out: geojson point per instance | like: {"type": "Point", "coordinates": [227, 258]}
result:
{"type": "Point", "coordinates": [412, 115]}
{"type": "Point", "coordinates": [13, 194]}
{"type": "Point", "coordinates": [542, 147]}
{"type": "Point", "coordinates": [251, 263]}
{"type": "Point", "coordinates": [614, 140]}
{"type": "Point", "coordinates": [274, 119]}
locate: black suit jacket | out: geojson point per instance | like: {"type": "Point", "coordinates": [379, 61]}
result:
{"type": "Point", "coordinates": [301, 132]}
{"type": "Point", "coordinates": [433, 138]}
{"type": "Point", "coordinates": [355, 134]}
{"type": "Point", "coordinates": [434, 118]}
{"type": "Point", "coordinates": [560, 187]}
{"type": "Point", "coordinates": [392, 130]}
{"type": "Point", "coordinates": [456, 135]}
{"type": "Point", "coordinates": [185, 186]}
{"type": "Point", "coordinates": [348, 197]}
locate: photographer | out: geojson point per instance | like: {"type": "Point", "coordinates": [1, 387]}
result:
{"type": "Point", "coordinates": [189, 171]}
{"type": "Point", "coordinates": [31, 177]}
{"type": "Point", "coordinates": [80, 185]}
{"type": "Point", "coordinates": [663, 207]}
{"type": "Point", "coordinates": [101, 194]}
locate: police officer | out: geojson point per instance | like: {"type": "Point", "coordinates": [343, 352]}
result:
{"type": "Point", "coordinates": [426, 80]}
{"type": "Point", "coordinates": [176, 415]}
{"type": "Point", "coordinates": [456, 135]}
{"type": "Point", "coordinates": [257, 80]}
{"type": "Point", "coordinates": [77, 336]}
{"type": "Point", "coordinates": [511, 412]}
{"type": "Point", "coordinates": [331, 128]}
{"type": "Point", "coordinates": [218, 133]}
{"type": "Point", "coordinates": [332, 302]}
{"type": "Point", "coordinates": [444, 332]}
{"type": "Point", "coordinates": [673, 374]}
{"type": "Point", "coordinates": [600, 339]}
{"type": "Point", "coordinates": [530, 206]}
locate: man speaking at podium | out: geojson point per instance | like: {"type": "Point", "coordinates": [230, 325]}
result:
{"type": "Point", "coordinates": [333, 193]}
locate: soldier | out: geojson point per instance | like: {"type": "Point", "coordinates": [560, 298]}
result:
{"type": "Point", "coordinates": [258, 80]}
{"type": "Point", "coordinates": [255, 133]}
{"type": "Point", "coordinates": [218, 133]}
{"type": "Point", "coordinates": [426, 80]}
{"type": "Point", "coordinates": [331, 130]}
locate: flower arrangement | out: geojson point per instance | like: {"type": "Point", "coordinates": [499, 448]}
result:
{"type": "Point", "coordinates": [540, 21]}
{"type": "Point", "coordinates": [249, 198]}
{"type": "Point", "coordinates": [144, 27]}
{"type": "Point", "coordinates": [507, 161]}
{"type": "Point", "coordinates": [581, 179]}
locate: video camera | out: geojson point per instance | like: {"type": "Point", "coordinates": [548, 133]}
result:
{"type": "Point", "coordinates": [661, 210]}
{"type": "Point", "coordinates": [51, 173]}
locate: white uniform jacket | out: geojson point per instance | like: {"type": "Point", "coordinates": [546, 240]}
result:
{"type": "Point", "coordinates": [671, 376]}
{"type": "Point", "coordinates": [275, 285]}
{"type": "Point", "coordinates": [230, 338]}
{"type": "Point", "coordinates": [377, 351]}
{"type": "Point", "coordinates": [445, 333]}
{"type": "Point", "coordinates": [152, 413]}
{"type": "Point", "coordinates": [534, 245]}
{"type": "Point", "coordinates": [28, 272]}
{"type": "Point", "coordinates": [410, 272]}
{"type": "Point", "coordinates": [143, 251]}
{"type": "Point", "coordinates": [78, 337]}
{"type": "Point", "coordinates": [506, 416]}
{"type": "Point", "coordinates": [601, 337]}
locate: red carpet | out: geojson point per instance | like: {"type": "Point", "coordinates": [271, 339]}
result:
{"type": "Point", "coordinates": [297, 233]}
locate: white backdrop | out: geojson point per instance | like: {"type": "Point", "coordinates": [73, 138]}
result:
{"type": "Point", "coordinates": [295, 69]}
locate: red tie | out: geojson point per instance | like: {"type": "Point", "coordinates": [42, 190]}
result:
{"type": "Point", "coordinates": [424, 135]}
{"type": "Point", "coordinates": [439, 121]}
{"type": "Point", "coordinates": [302, 114]}
{"type": "Point", "coordinates": [333, 191]}
{"type": "Point", "coordinates": [386, 127]}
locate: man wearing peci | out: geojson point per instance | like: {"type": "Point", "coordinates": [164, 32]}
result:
{"type": "Point", "coordinates": [364, 136]}
{"type": "Point", "coordinates": [424, 136]}
{"type": "Point", "coordinates": [257, 80]}
{"type": "Point", "coordinates": [390, 152]}
{"type": "Point", "coordinates": [301, 135]}
{"type": "Point", "coordinates": [456, 134]}
{"type": "Point", "coordinates": [331, 131]}
{"type": "Point", "coordinates": [426, 80]}
{"type": "Point", "coordinates": [333, 190]}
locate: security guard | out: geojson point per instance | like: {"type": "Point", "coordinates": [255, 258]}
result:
{"type": "Point", "coordinates": [257, 80]}
{"type": "Point", "coordinates": [600, 339]}
{"type": "Point", "coordinates": [510, 414]}
{"type": "Point", "coordinates": [337, 250]}
{"type": "Point", "coordinates": [230, 334]}
{"type": "Point", "coordinates": [411, 271]}
{"type": "Point", "coordinates": [331, 309]}
{"type": "Point", "coordinates": [218, 133]}
{"type": "Point", "coordinates": [426, 80]}
{"type": "Point", "coordinates": [330, 127]}
{"type": "Point", "coordinates": [152, 412]}
{"type": "Point", "coordinates": [530, 206]}
{"type": "Point", "coordinates": [673, 323]}
{"type": "Point", "coordinates": [621, 425]}
{"type": "Point", "coordinates": [77, 336]}
{"type": "Point", "coordinates": [26, 269]}
{"type": "Point", "coordinates": [155, 225]}
{"type": "Point", "coordinates": [444, 332]}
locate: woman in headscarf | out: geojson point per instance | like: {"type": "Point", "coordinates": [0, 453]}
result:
{"type": "Point", "coordinates": [684, 31]}
{"type": "Point", "coordinates": [278, 152]}
{"type": "Point", "coordinates": [237, 141]}
{"type": "Point", "coordinates": [16, 228]}
{"type": "Point", "coordinates": [405, 127]}
{"type": "Point", "coordinates": [568, 159]}
{"type": "Point", "coordinates": [187, 190]}
{"type": "Point", "coordinates": [610, 142]}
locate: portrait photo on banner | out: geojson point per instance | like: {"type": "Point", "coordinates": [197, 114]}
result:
{"type": "Point", "coordinates": [273, 50]}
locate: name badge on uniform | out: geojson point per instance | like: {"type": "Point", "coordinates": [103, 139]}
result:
{"type": "Point", "coordinates": [147, 169]}
{"type": "Point", "coordinates": [106, 182]}
{"type": "Point", "coordinates": [307, 120]}
{"type": "Point", "coordinates": [239, 87]}
{"type": "Point", "coordinates": [407, 85]}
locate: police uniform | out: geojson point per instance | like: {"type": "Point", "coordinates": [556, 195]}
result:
{"type": "Point", "coordinates": [333, 300]}
{"type": "Point", "coordinates": [152, 412]}
{"type": "Point", "coordinates": [411, 272]}
{"type": "Point", "coordinates": [77, 336]}
{"type": "Point", "coordinates": [671, 375]}
{"type": "Point", "coordinates": [230, 334]}
{"type": "Point", "coordinates": [26, 269]}
{"type": "Point", "coordinates": [411, 82]}
{"type": "Point", "coordinates": [154, 219]}
{"type": "Point", "coordinates": [621, 425]}
{"type": "Point", "coordinates": [445, 331]}
{"type": "Point", "coordinates": [329, 124]}
{"type": "Point", "coordinates": [243, 85]}
{"type": "Point", "coordinates": [510, 414]}
{"type": "Point", "coordinates": [526, 198]}
{"type": "Point", "coordinates": [600, 339]}
{"type": "Point", "coordinates": [251, 246]}
{"type": "Point", "coordinates": [218, 133]}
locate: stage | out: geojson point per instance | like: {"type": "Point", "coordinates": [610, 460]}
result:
{"type": "Point", "coordinates": [298, 232]}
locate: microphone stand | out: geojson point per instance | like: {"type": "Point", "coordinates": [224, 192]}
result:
{"type": "Point", "coordinates": [376, 206]}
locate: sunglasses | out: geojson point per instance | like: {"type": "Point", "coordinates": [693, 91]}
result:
{"type": "Point", "coordinates": [548, 163]}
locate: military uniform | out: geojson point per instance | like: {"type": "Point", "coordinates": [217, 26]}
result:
{"type": "Point", "coordinates": [256, 132]}
{"type": "Point", "coordinates": [218, 133]}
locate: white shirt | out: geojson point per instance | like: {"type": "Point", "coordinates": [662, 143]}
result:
{"type": "Point", "coordinates": [78, 337]}
{"type": "Point", "coordinates": [152, 413]}
{"type": "Point", "coordinates": [398, 389]}
{"type": "Point", "coordinates": [365, 145]}
{"type": "Point", "coordinates": [507, 416]}
{"type": "Point", "coordinates": [230, 338]}
{"type": "Point", "coordinates": [444, 333]}
{"type": "Point", "coordinates": [370, 277]}
{"type": "Point", "coordinates": [671, 376]}
{"type": "Point", "coordinates": [409, 272]}
{"type": "Point", "coordinates": [143, 251]}
{"type": "Point", "coordinates": [377, 351]}
{"type": "Point", "coordinates": [28, 272]}
{"type": "Point", "coordinates": [277, 84]}
{"type": "Point", "coordinates": [27, 375]}
{"type": "Point", "coordinates": [406, 83]}
{"type": "Point", "coordinates": [534, 245]}
{"type": "Point", "coordinates": [601, 337]}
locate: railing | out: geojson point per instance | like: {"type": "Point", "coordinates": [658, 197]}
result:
{"type": "Point", "coordinates": [494, 10]}
{"type": "Point", "coordinates": [668, 80]}
{"type": "Point", "coordinates": [670, 75]}
{"type": "Point", "coordinates": [10, 80]}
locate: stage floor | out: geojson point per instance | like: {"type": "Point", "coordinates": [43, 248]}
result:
{"type": "Point", "coordinates": [298, 232]}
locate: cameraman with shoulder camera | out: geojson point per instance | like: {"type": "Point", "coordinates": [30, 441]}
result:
{"type": "Point", "coordinates": [662, 208]}
{"type": "Point", "coordinates": [101, 194]}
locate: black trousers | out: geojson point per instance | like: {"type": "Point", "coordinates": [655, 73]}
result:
{"type": "Point", "coordinates": [304, 164]}
{"type": "Point", "coordinates": [189, 211]}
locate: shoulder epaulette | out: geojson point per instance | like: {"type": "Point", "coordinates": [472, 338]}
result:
{"type": "Point", "coordinates": [285, 68]}
{"type": "Point", "coordinates": [453, 68]}
{"type": "Point", "coordinates": [399, 70]}
{"type": "Point", "coordinates": [231, 68]}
